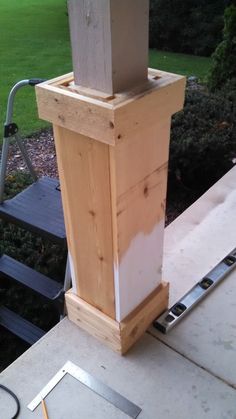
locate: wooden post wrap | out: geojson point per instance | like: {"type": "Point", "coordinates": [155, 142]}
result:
{"type": "Point", "coordinates": [112, 153]}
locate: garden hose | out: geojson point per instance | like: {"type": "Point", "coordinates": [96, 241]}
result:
{"type": "Point", "coordinates": [15, 398]}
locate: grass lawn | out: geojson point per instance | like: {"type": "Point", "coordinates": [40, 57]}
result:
{"type": "Point", "coordinates": [35, 43]}
{"type": "Point", "coordinates": [188, 65]}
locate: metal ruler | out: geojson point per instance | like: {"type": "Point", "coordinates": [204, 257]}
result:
{"type": "Point", "coordinates": [93, 384]}
{"type": "Point", "coordinates": [171, 317]}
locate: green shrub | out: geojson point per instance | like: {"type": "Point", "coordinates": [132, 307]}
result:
{"type": "Point", "coordinates": [228, 92]}
{"type": "Point", "coordinates": [224, 58]}
{"type": "Point", "coordinates": [16, 182]}
{"type": "Point", "coordinates": [203, 140]}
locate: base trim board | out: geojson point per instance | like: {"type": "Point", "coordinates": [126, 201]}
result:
{"type": "Point", "coordinates": [118, 336]}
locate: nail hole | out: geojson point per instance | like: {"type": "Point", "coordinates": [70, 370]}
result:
{"type": "Point", "coordinates": [145, 191]}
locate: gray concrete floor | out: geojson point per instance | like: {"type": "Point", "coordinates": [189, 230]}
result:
{"type": "Point", "coordinates": [158, 379]}
{"type": "Point", "coordinates": [190, 373]}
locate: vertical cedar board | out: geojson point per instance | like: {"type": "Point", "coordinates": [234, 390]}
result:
{"type": "Point", "coordinates": [139, 179]}
{"type": "Point", "coordinates": [140, 154]}
{"type": "Point", "coordinates": [103, 32]}
{"type": "Point", "coordinates": [141, 208]}
{"type": "Point", "coordinates": [85, 183]}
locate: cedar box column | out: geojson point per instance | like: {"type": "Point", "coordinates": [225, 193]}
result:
{"type": "Point", "coordinates": [112, 129]}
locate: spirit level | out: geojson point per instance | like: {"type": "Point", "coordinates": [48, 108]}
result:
{"type": "Point", "coordinates": [171, 317]}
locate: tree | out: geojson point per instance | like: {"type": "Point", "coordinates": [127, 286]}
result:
{"type": "Point", "coordinates": [224, 58]}
{"type": "Point", "coordinates": [191, 26]}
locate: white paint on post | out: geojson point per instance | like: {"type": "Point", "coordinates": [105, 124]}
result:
{"type": "Point", "coordinates": [140, 271]}
{"type": "Point", "coordinates": [109, 40]}
{"type": "Point", "coordinates": [72, 271]}
{"type": "Point", "coordinates": [117, 290]}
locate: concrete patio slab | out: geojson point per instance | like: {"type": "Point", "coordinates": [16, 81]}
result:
{"type": "Point", "coordinates": [163, 383]}
{"type": "Point", "coordinates": [200, 237]}
{"type": "Point", "coordinates": [207, 335]}
{"type": "Point", "coordinates": [195, 242]}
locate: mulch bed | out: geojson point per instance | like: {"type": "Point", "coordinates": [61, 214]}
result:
{"type": "Point", "coordinates": [41, 150]}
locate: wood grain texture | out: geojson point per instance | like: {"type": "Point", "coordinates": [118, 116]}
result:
{"type": "Point", "coordinates": [90, 29]}
{"type": "Point", "coordinates": [141, 207]}
{"type": "Point", "coordinates": [87, 116]}
{"type": "Point", "coordinates": [115, 119]}
{"type": "Point", "coordinates": [93, 321]}
{"type": "Point", "coordinates": [103, 32]}
{"type": "Point", "coordinates": [118, 336]}
{"type": "Point", "coordinates": [139, 179]}
{"type": "Point", "coordinates": [141, 154]}
{"type": "Point", "coordinates": [140, 232]}
{"type": "Point", "coordinates": [84, 174]}
{"type": "Point", "coordinates": [114, 184]}
{"type": "Point", "coordinates": [136, 324]}
{"type": "Point", "coordinates": [146, 108]}
{"type": "Point", "coordinates": [129, 28]}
